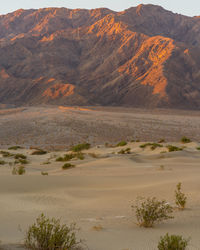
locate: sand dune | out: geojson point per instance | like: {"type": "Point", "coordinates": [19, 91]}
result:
{"type": "Point", "coordinates": [99, 192]}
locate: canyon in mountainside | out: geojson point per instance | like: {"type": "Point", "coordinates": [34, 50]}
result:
{"type": "Point", "coordinates": [144, 56]}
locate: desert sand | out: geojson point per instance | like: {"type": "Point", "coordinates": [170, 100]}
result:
{"type": "Point", "coordinates": [98, 193]}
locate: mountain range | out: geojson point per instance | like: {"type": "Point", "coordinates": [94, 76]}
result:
{"type": "Point", "coordinates": [144, 56]}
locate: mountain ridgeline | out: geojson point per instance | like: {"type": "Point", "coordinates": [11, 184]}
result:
{"type": "Point", "coordinates": [144, 56]}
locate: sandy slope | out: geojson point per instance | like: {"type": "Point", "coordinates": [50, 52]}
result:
{"type": "Point", "coordinates": [100, 191]}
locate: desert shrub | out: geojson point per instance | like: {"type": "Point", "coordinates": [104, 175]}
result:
{"type": "Point", "coordinates": [125, 151]}
{"type": "Point", "coordinates": [2, 162]}
{"type": "Point", "coordinates": [39, 152]}
{"type": "Point", "coordinates": [69, 157]}
{"type": "Point", "coordinates": [20, 156]}
{"type": "Point", "coordinates": [161, 141]}
{"type": "Point", "coordinates": [185, 140]}
{"type": "Point", "coordinates": [172, 242]}
{"type": "Point", "coordinates": [80, 147]}
{"type": "Point", "coordinates": [48, 234]}
{"type": "Point", "coordinates": [180, 198]}
{"type": "Point", "coordinates": [172, 148]}
{"type": "Point", "coordinates": [21, 161]}
{"type": "Point", "coordinates": [44, 173]}
{"type": "Point", "coordinates": [151, 211]}
{"type": "Point", "coordinates": [14, 148]}
{"type": "Point", "coordinates": [198, 148]}
{"type": "Point", "coordinates": [6, 154]}
{"type": "Point", "coordinates": [121, 144]}
{"type": "Point", "coordinates": [162, 167]}
{"type": "Point", "coordinates": [152, 145]}
{"type": "Point", "coordinates": [20, 170]}
{"type": "Point", "coordinates": [67, 166]}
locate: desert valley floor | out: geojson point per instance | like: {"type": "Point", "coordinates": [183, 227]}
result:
{"type": "Point", "coordinates": [98, 192]}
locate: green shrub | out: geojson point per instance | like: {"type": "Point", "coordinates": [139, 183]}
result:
{"type": "Point", "coordinates": [172, 148]}
{"type": "Point", "coordinates": [121, 144]}
{"type": "Point", "coordinates": [185, 140]}
{"type": "Point", "coordinates": [44, 173]}
{"type": "Point", "coordinates": [21, 161]}
{"type": "Point", "coordinates": [172, 242]}
{"type": "Point", "coordinates": [80, 147]}
{"type": "Point", "coordinates": [125, 151]}
{"type": "Point", "coordinates": [14, 148]}
{"type": "Point", "coordinates": [39, 152]}
{"type": "Point", "coordinates": [67, 166]}
{"type": "Point", "coordinates": [49, 234]}
{"type": "Point", "coordinates": [198, 148]}
{"type": "Point", "coordinates": [20, 156]}
{"type": "Point", "coordinates": [6, 154]}
{"type": "Point", "coordinates": [20, 170]}
{"type": "Point", "coordinates": [2, 162]}
{"type": "Point", "coordinates": [180, 198]}
{"type": "Point", "coordinates": [69, 157]}
{"type": "Point", "coordinates": [151, 211]}
{"type": "Point", "coordinates": [152, 145]}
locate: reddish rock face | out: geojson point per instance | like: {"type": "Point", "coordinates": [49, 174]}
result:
{"type": "Point", "coordinates": [144, 57]}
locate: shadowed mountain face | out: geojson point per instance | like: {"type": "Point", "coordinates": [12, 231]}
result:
{"type": "Point", "coordinates": [144, 56]}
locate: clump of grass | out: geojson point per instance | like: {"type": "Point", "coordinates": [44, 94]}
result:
{"type": "Point", "coordinates": [162, 167]}
{"type": "Point", "coordinates": [172, 148]}
{"type": "Point", "coordinates": [20, 156]}
{"type": "Point", "coordinates": [172, 242]}
{"type": "Point", "coordinates": [6, 154]}
{"type": "Point", "coordinates": [39, 152]}
{"type": "Point", "coordinates": [151, 211]}
{"type": "Point", "coordinates": [152, 145]}
{"type": "Point", "coordinates": [185, 140]}
{"type": "Point", "coordinates": [80, 147]}
{"type": "Point", "coordinates": [14, 148]}
{"type": "Point", "coordinates": [180, 198]}
{"type": "Point", "coordinates": [48, 234]}
{"type": "Point", "coordinates": [69, 157]}
{"type": "Point", "coordinates": [21, 161]}
{"type": "Point", "coordinates": [125, 151]}
{"type": "Point", "coordinates": [68, 166]}
{"type": "Point", "coordinates": [161, 141]}
{"type": "Point", "coordinates": [20, 170]}
{"type": "Point", "coordinates": [44, 173]}
{"type": "Point", "coordinates": [121, 144]}
{"type": "Point", "coordinates": [2, 162]}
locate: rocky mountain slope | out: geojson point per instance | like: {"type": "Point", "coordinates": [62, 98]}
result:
{"type": "Point", "coordinates": [144, 57]}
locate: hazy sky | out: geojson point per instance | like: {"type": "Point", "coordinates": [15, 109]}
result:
{"type": "Point", "coordinates": [186, 7]}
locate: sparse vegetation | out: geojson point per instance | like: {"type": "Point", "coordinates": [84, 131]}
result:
{"type": "Point", "coordinates": [2, 162]}
{"type": "Point", "coordinates": [20, 170]}
{"type": "Point", "coordinates": [93, 155]}
{"type": "Point", "coordinates": [80, 147]}
{"type": "Point", "coordinates": [151, 211]}
{"type": "Point", "coordinates": [44, 173]}
{"type": "Point", "coordinates": [125, 151]}
{"type": "Point", "coordinates": [152, 145]}
{"type": "Point", "coordinates": [198, 148]}
{"type": "Point", "coordinates": [6, 154]}
{"type": "Point", "coordinates": [39, 152]}
{"type": "Point", "coordinates": [172, 242]}
{"type": "Point", "coordinates": [121, 144]}
{"type": "Point", "coordinates": [185, 140]}
{"type": "Point", "coordinates": [162, 167]}
{"type": "Point", "coordinates": [69, 157]}
{"type": "Point", "coordinates": [180, 198]}
{"type": "Point", "coordinates": [20, 156]}
{"type": "Point", "coordinates": [161, 141]}
{"type": "Point", "coordinates": [172, 148]}
{"type": "Point", "coordinates": [14, 148]}
{"type": "Point", "coordinates": [68, 166]}
{"type": "Point", "coordinates": [48, 234]}
{"type": "Point", "coordinates": [21, 161]}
